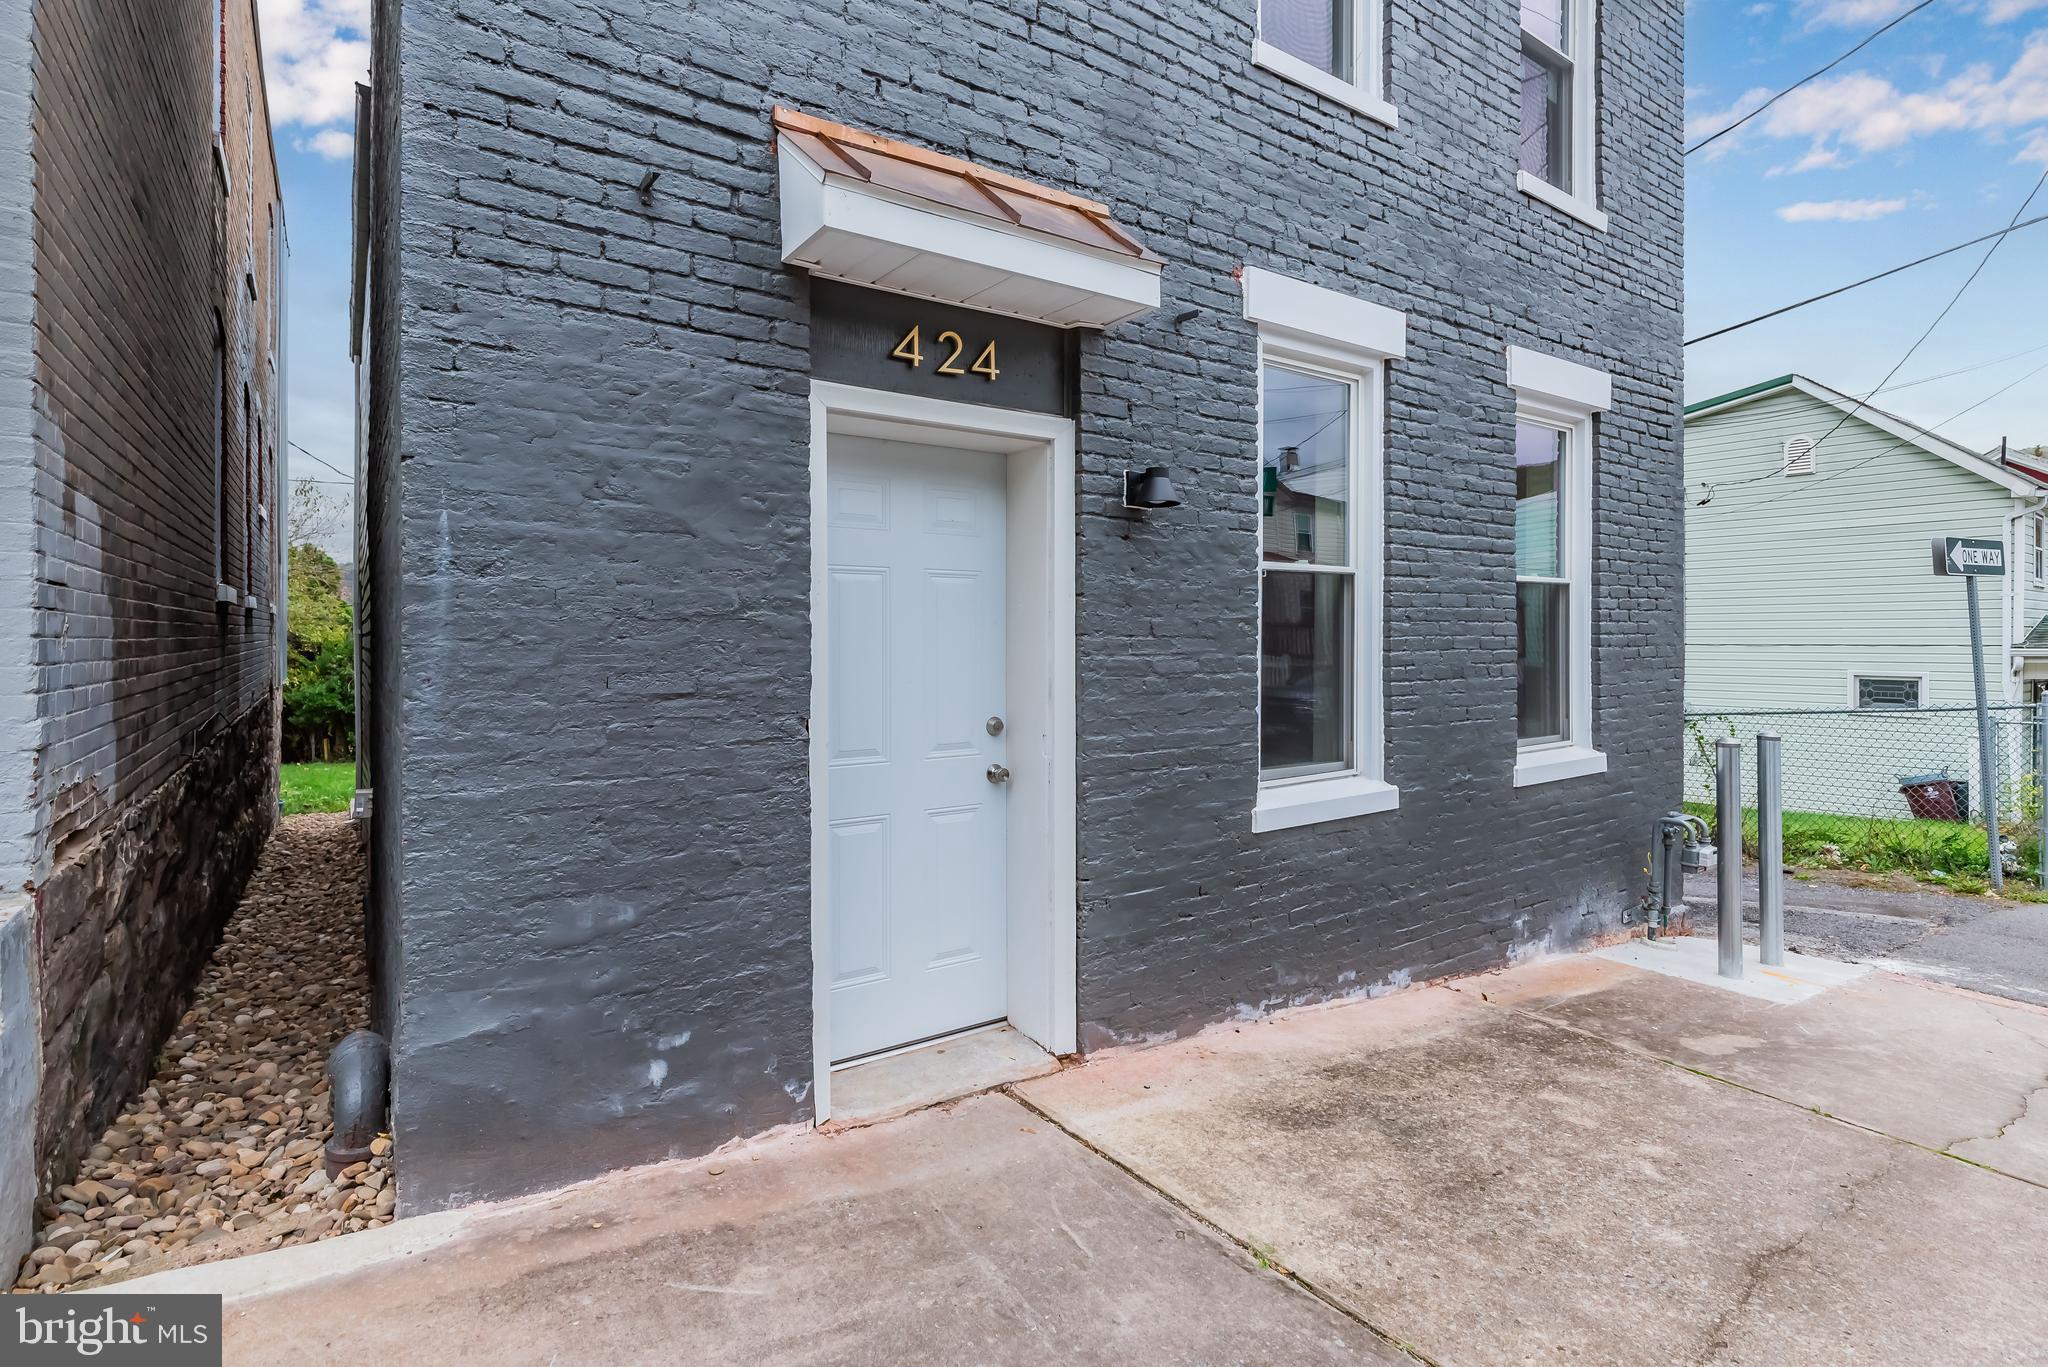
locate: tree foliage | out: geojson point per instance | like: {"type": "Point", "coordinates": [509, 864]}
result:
{"type": "Point", "coordinates": [319, 678]}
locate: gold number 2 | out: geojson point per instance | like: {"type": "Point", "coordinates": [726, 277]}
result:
{"type": "Point", "coordinates": [951, 365]}
{"type": "Point", "coordinates": [906, 350]}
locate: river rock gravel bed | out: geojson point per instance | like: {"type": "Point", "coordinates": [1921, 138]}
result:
{"type": "Point", "coordinates": [221, 1153]}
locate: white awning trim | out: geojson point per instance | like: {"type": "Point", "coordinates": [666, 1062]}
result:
{"type": "Point", "coordinates": [838, 226]}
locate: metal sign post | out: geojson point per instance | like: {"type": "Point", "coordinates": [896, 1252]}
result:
{"type": "Point", "coordinates": [1973, 558]}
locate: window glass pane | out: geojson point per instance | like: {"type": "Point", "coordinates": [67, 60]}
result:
{"type": "Point", "coordinates": [1541, 613]}
{"type": "Point", "coordinates": [1306, 467]}
{"type": "Point", "coordinates": [1882, 693]}
{"type": "Point", "coordinates": [1316, 31]}
{"type": "Point", "coordinates": [1546, 19]}
{"type": "Point", "coordinates": [1305, 672]}
{"type": "Point", "coordinates": [1539, 473]}
{"type": "Point", "coordinates": [1543, 119]}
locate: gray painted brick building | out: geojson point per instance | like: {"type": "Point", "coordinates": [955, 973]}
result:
{"type": "Point", "coordinates": [754, 398]}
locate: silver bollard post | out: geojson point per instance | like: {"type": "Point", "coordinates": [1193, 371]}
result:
{"type": "Point", "coordinates": [1728, 835]}
{"type": "Point", "coordinates": [1770, 851]}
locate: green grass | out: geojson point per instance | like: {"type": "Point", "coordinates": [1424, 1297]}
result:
{"type": "Point", "coordinates": [1953, 849]}
{"type": "Point", "coordinates": [321, 787]}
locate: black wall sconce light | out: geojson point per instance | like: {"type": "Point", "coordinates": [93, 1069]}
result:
{"type": "Point", "coordinates": [1149, 488]}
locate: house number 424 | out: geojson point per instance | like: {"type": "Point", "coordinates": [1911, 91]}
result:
{"type": "Point", "coordinates": [911, 353]}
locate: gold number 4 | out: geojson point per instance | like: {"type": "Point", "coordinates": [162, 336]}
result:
{"type": "Point", "coordinates": [911, 353]}
{"type": "Point", "coordinates": [906, 350]}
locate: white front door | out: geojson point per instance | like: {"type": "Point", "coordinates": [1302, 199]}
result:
{"type": "Point", "coordinates": [917, 844]}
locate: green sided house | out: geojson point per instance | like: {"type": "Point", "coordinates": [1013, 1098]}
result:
{"type": "Point", "coordinates": [1808, 578]}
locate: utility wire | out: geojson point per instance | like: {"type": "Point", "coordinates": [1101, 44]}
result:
{"type": "Point", "coordinates": [1857, 407]}
{"type": "Point", "coordinates": [1866, 280]}
{"type": "Point", "coordinates": [1960, 370]}
{"type": "Point", "coordinates": [309, 455]}
{"type": "Point", "coordinates": [1722, 133]}
{"type": "Point", "coordinates": [1925, 431]}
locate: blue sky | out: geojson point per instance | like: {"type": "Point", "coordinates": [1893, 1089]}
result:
{"type": "Point", "coordinates": [1933, 134]}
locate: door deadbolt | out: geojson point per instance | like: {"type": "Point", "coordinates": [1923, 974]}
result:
{"type": "Point", "coordinates": [995, 726]}
{"type": "Point", "coordinates": [998, 774]}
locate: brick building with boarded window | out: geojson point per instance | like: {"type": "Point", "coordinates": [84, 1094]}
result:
{"type": "Point", "coordinates": [1053, 523]}
{"type": "Point", "coordinates": [141, 418]}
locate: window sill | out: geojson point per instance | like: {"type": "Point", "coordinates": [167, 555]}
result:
{"type": "Point", "coordinates": [1538, 188]}
{"type": "Point", "coordinates": [1309, 801]}
{"type": "Point", "coordinates": [225, 593]}
{"type": "Point", "coordinates": [1289, 67]}
{"type": "Point", "coordinates": [1553, 763]}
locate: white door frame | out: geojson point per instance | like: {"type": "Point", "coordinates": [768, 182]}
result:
{"type": "Point", "coordinates": [1039, 615]}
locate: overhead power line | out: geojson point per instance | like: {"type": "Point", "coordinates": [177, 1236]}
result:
{"type": "Point", "coordinates": [1959, 370]}
{"type": "Point", "coordinates": [329, 464]}
{"type": "Point", "coordinates": [1898, 365]}
{"type": "Point", "coordinates": [1867, 41]}
{"type": "Point", "coordinates": [1866, 280]}
{"type": "Point", "coordinates": [1925, 431]}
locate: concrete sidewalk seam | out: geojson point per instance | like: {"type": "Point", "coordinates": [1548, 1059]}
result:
{"type": "Point", "coordinates": [1640, 1052]}
{"type": "Point", "coordinates": [1260, 1257]}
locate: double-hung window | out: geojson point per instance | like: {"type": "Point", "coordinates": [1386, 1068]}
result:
{"type": "Point", "coordinates": [1555, 401]}
{"type": "Point", "coordinates": [1558, 123]}
{"type": "Point", "coordinates": [2039, 555]}
{"type": "Point", "coordinates": [1331, 46]}
{"type": "Point", "coordinates": [1322, 358]}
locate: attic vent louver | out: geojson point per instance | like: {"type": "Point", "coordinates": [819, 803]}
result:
{"type": "Point", "coordinates": [1799, 456]}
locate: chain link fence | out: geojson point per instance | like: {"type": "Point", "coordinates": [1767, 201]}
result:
{"type": "Point", "coordinates": [1883, 788]}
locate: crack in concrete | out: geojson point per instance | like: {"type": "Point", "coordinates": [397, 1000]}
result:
{"type": "Point", "coordinates": [1758, 1266]}
{"type": "Point", "coordinates": [2026, 1105]}
{"type": "Point", "coordinates": [1639, 1051]}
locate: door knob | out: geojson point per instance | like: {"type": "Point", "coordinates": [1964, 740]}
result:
{"type": "Point", "coordinates": [998, 774]}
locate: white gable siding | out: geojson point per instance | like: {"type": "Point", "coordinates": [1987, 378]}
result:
{"type": "Point", "coordinates": [1794, 582]}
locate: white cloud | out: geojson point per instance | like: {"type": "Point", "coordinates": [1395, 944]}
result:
{"type": "Point", "coordinates": [1853, 13]}
{"type": "Point", "coordinates": [331, 143]}
{"type": "Point", "coordinates": [2005, 11]}
{"type": "Point", "coordinates": [1840, 210]}
{"type": "Point", "coordinates": [1703, 125]}
{"type": "Point", "coordinates": [314, 53]}
{"type": "Point", "coordinates": [1862, 113]}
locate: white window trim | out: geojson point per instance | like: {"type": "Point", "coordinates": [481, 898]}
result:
{"type": "Point", "coordinates": [1367, 94]}
{"type": "Point", "coordinates": [1582, 137]}
{"type": "Point", "coordinates": [1349, 338]}
{"type": "Point", "coordinates": [2037, 550]}
{"type": "Point", "coordinates": [1857, 675]}
{"type": "Point", "coordinates": [1565, 394]}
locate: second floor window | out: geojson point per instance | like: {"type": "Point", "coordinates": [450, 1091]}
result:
{"type": "Point", "coordinates": [1556, 151]}
{"type": "Point", "coordinates": [1330, 46]}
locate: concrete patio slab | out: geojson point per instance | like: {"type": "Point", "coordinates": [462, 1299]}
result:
{"type": "Point", "coordinates": [1696, 959]}
{"type": "Point", "coordinates": [1491, 1187]}
{"type": "Point", "coordinates": [1954, 1070]}
{"type": "Point", "coordinates": [972, 1233]}
{"type": "Point", "coordinates": [863, 1093]}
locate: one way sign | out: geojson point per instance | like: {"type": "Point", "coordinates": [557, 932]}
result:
{"type": "Point", "coordinates": [1968, 555]}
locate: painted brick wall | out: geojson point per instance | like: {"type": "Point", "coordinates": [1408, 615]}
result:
{"type": "Point", "coordinates": [604, 665]}
{"type": "Point", "coordinates": [154, 707]}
